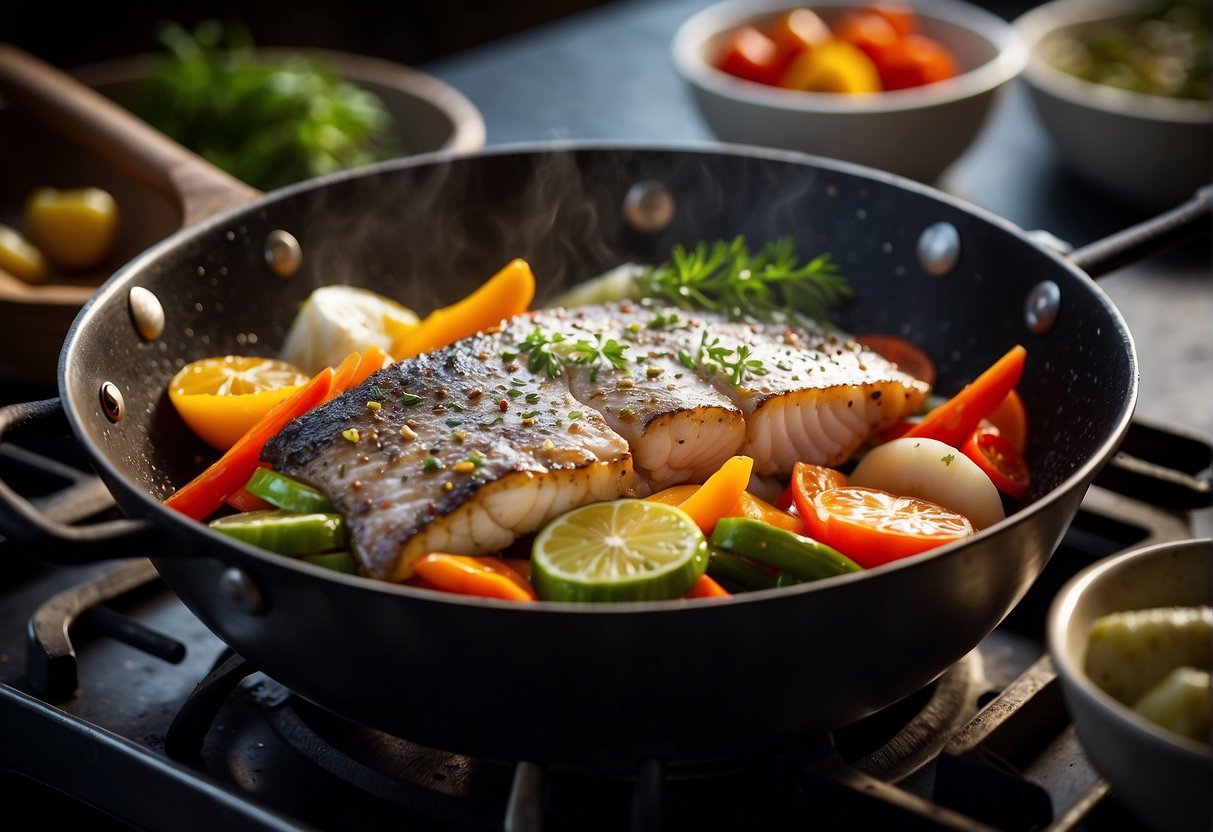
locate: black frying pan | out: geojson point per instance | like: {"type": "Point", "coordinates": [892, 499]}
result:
{"type": "Point", "coordinates": [593, 685]}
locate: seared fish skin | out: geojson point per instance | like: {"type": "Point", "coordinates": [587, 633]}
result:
{"type": "Point", "coordinates": [465, 449]}
{"type": "Point", "coordinates": [452, 451]}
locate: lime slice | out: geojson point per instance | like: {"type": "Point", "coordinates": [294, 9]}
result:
{"type": "Point", "coordinates": [624, 550]}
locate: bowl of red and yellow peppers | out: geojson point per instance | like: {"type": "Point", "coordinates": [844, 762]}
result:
{"type": "Point", "coordinates": [883, 83]}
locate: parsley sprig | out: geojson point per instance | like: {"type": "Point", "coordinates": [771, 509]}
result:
{"type": "Point", "coordinates": [712, 357]}
{"type": "Point", "coordinates": [549, 352]}
{"type": "Point", "coordinates": [770, 285]}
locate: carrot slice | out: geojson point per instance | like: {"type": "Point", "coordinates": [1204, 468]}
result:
{"type": "Point", "coordinates": [706, 587]}
{"type": "Point", "coordinates": [370, 362]}
{"type": "Point", "coordinates": [505, 294]}
{"type": "Point", "coordinates": [955, 419]}
{"type": "Point", "coordinates": [487, 577]}
{"type": "Point", "coordinates": [228, 474]}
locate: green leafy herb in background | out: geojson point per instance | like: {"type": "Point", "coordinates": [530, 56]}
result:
{"type": "Point", "coordinates": [267, 123]}
{"type": "Point", "coordinates": [770, 285]}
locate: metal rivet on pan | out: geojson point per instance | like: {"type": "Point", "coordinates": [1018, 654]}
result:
{"type": "Point", "coordinates": [648, 206]}
{"type": "Point", "coordinates": [939, 248]}
{"type": "Point", "coordinates": [1041, 308]}
{"type": "Point", "coordinates": [146, 312]}
{"type": "Point", "coordinates": [241, 590]}
{"type": "Point", "coordinates": [112, 403]}
{"type": "Point", "coordinates": [282, 253]}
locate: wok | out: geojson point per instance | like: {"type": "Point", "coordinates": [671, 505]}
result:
{"type": "Point", "coordinates": [590, 685]}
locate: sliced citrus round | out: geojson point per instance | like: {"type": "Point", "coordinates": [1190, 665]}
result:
{"type": "Point", "coordinates": [623, 550]}
{"type": "Point", "coordinates": [220, 398]}
{"type": "Point", "coordinates": [874, 527]}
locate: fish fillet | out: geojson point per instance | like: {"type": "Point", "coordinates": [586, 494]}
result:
{"type": "Point", "coordinates": [468, 448]}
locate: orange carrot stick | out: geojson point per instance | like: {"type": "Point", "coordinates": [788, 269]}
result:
{"type": "Point", "coordinates": [228, 474]}
{"type": "Point", "coordinates": [706, 587]}
{"type": "Point", "coordinates": [487, 577]}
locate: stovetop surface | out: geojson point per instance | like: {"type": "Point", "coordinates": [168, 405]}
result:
{"type": "Point", "coordinates": [264, 759]}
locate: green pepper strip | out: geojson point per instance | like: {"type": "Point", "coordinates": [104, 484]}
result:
{"type": "Point", "coordinates": [799, 556]}
{"type": "Point", "coordinates": [286, 493]}
{"type": "Point", "coordinates": [737, 572]}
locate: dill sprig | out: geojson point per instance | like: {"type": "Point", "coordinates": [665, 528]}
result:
{"type": "Point", "coordinates": [771, 285]}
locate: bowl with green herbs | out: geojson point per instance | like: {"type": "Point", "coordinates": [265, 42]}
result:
{"type": "Point", "coordinates": [1122, 88]}
{"type": "Point", "coordinates": [275, 116]}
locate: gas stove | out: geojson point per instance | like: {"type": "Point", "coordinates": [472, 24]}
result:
{"type": "Point", "coordinates": [120, 709]}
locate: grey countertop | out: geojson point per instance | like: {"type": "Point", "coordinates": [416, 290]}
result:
{"type": "Point", "coordinates": [606, 74]}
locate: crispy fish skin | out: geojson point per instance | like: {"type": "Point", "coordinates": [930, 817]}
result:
{"type": "Point", "coordinates": [466, 449]}
{"type": "Point", "coordinates": [487, 452]}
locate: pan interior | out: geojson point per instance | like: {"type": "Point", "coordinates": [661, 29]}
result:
{"type": "Point", "coordinates": [427, 232]}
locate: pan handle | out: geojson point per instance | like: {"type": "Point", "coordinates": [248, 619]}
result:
{"type": "Point", "coordinates": [1152, 236]}
{"type": "Point", "coordinates": [88, 118]}
{"type": "Point", "coordinates": [58, 542]}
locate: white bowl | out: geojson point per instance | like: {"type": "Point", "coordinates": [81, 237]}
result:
{"type": "Point", "coordinates": [912, 132]}
{"type": "Point", "coordinates": [1147, 150]}
{"type": "Point", "coordinates": [1162, 777]}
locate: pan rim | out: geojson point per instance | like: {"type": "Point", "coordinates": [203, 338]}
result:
{"type": "Point", "coordinates": [75, 408]}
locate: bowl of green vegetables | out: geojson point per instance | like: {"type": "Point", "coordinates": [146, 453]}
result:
{"type": "Point", "coordinates": [1130, 637]}
{"type": "Point", "coordinates": [275, 116]}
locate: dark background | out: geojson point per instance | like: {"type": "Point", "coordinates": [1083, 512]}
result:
{"type": "Point", "coordinates": [413, 31]}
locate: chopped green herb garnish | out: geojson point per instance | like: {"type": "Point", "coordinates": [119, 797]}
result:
{"type": "Point", "coordinates": [490, 422]}
{"type": "Point", "coordinates": [517, 382]}
{"type": "Point", "coordinates": [574, 414]}
{"type": "Point", "coordinates": [410, 399]}
{"type": "Point", "coordinates": [549, 353]}
{"type": "Point", "coordinates": [513, 393]}
{"type": "Point", "coordinates": [459, 405]}
{"type": "Point", "coordinates": [948, 460]}
{"type": "Point", "coordinates": [376, 392]}
{"type": "Point", "coordinates": [662, 321]}
{"type": "Point", "coordinates": [453, 423]}
{"type": "Point", "coordinates": [530, 414]}
{"type": "Point", "coordinates": [531, 398]}
{"type": "Point", "coordinates": [431, 464]}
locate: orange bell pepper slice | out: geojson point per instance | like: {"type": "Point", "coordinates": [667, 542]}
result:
{"type": "Point", "coordinates": [486, 577]}
{"type": "Point", "coordinates": [205, 493]}
{"type": "Point", "coordinates": [955, 419]}
{"type": "Point", "coordinates": [505, 294]}
{"type": "Point", "coordinates": [720, 493]}
{"type": "Point", "coordinates": [706, 587]}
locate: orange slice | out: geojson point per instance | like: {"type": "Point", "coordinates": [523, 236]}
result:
{"type": "Point", "coordinates": [220, 398]}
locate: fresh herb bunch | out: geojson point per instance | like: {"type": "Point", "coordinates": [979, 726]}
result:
{"type": "Point", "coordinates": [266, 123]}
{"type": "Point", "coordinates": [771, 285]}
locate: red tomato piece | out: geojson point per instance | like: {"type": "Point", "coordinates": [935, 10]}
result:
{"type": "Point", "coordinates": [795, 32]}
{"type": "Point", "coordinates": [808, 481]}
{"type": "Point", "coordinates": [1004, 465]}
{"type": "Point", "coordinates": [871, 33]}
{"type": "Point", "coordinates": [900, 16]}
{"type": "Point", "coordinates": [875, 527]}
{"type": "Point", "coordinates": [916, 60]}
{"type": "Point", "coordinates": [1010, 417]}
{"type": "Point", "coordinates": [908, 357]}
{"type": "Point", "coordinates": [749, 54]}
